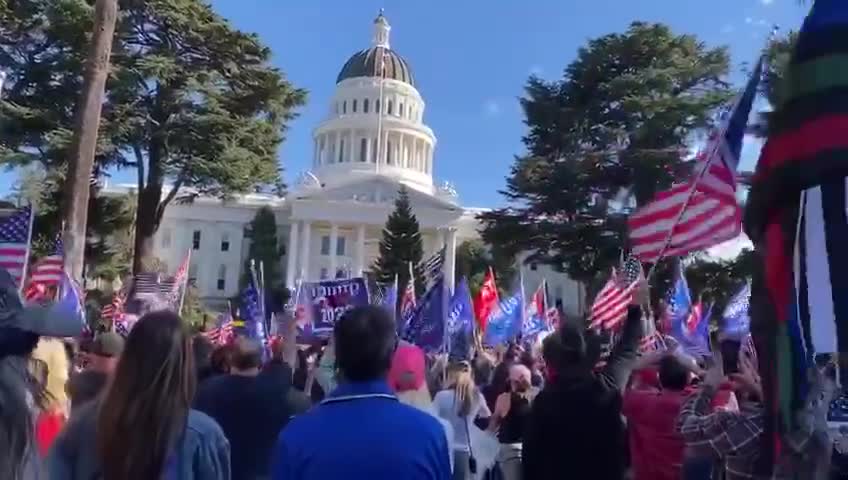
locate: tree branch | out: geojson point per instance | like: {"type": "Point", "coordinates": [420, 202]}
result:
{"type": "Point", "coordinates": [175, 188]}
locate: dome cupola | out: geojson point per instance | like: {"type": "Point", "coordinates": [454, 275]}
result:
{"type": "Point", "coordinates": [370, 62]}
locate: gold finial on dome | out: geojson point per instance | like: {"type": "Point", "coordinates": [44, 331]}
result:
{"type": "Point", "coordinates": [381, 30]}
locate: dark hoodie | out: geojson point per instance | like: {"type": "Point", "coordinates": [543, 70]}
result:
{"type": "Point", "coordinates": [575, 425]}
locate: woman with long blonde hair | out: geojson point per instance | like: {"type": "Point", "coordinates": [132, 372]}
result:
{"type": "Point", "coordinates": [52, 359]}
{"type": "Point", "coordinates": [461, 403]}
{"type": "Point", "coordinates": [143, 428]}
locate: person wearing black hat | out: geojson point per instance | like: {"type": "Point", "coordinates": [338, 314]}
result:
{"type": "Point", "coordinates": [575, 424]}
{"type": "Point", "coordinates": [21, 379]}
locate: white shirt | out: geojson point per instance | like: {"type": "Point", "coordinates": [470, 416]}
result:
{"type": "Point", "coordinates": [445, 405]}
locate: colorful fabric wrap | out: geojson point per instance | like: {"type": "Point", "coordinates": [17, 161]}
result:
{"type": "Point", "coordinates": [796, 216]}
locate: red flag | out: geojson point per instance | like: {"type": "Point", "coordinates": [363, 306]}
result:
{"type": "Point", "coordinates": [487, 299]}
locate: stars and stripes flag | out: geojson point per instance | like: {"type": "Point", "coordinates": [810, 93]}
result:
{"type": "Point", "coordinates": [48, 270]}
{"type": "Point", "coordinates": [15, 233]}
{"type": "Point", "coordinates": [432, 269]}
{"type": "Point", "coordinates": [736, 322]}
{"type": "Point", "coordinates": [223, 332]}
{"type": "Point", "coordinates": [610, 306]}
{"type": "Point", "coordinates": [174, 287]}
{"type": "Point", "coordinates": [654, 342]}
{"type": "Point", "coordinates": [703, 211]}
{"type": "Point", "coordinates": [146, 283]}
{"type": "Point", "coordinates": [115, 309]}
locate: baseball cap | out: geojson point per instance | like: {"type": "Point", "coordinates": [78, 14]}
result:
{"type": "Point", "coordinates": [47, 321]}
{"type": "Point", "coordinates": [407, 370]}
{"type": "Point", "coordinates": [108, 344]}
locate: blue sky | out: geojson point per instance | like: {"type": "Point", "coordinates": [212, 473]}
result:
{"type": "Point", "coordinates": [471, 59]}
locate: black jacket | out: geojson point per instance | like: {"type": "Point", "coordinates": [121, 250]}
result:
{"type": "Point", "coordinates": [575, 428]}
{"type": "Point", "coordinates": [251, 411]}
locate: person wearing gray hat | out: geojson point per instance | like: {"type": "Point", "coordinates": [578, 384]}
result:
{"type": "Point", "coordinates": [21, 382]}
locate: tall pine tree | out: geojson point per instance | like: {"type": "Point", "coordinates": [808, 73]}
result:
{"type": "Point", "coordinates": [401, 244]}
{"type": "Point", "coordinates": [264, 248]}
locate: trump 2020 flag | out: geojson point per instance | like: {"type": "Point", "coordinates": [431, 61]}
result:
{"type": "Point", "coordinates": [736, 324]}
{"type": "Point", "coordinates": [535, 321]}
{"type": "Point", "coordinates": [69, 303]}
{"type": "Point", "coordinates": [460, 322]}
{"type": "Point", "coordinates": [427, 327]}
{"type": "Point", "coordinates": [505, 320]}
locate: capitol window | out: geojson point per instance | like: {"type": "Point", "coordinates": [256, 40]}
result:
{"type": "Point", "coordinates": [354, 106]}
{"type": "Point", "coordinates": [341, 150]}
{"type": "Point", "coordinates": [363, 148]}
{"type": "Point", "coordinates": [400, 110]}
{"type": "Point", "coordinates": [344, 107]}
{"type": "Point", "coordinates": [340, 246]}
{"type": "Point", "coordinates": [325, 245]}
{"type": "Point", "coordinates": [365, 106]}
{"type": "Point", "coordinates": [389, 108]}
{"type": "Point", "coordinates": [225, 242]}
{"type": "Point", "coordinates": [222, 277]}
{"type": "Point", "coordinates": [195, 240]}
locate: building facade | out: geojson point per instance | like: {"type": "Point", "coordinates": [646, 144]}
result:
{"type": "Point", "coordinates": [373, 140]}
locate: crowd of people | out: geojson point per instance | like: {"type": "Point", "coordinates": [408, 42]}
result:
{"type": "Point", "coordinates": [166, 404]}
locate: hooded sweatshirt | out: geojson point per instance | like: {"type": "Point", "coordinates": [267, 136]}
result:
{"type": "Point", "coordinates": [575, 422]}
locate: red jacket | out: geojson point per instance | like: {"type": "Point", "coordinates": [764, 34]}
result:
{"type": "Point", "coordinates": [656, 449]}
{"type": "Point", "coordinates": [47, 428]}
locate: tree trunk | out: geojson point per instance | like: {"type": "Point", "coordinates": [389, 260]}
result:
{"type": "Point", "coordinates": [146, 225]}
{"type": "Point", "coordinates": [83, 147]}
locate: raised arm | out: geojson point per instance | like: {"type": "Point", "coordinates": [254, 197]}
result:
{"type": "Point", "coordinates": [623, 356]}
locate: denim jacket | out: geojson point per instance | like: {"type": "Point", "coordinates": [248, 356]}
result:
{"type": "Point", "coordinates": [203, 453]}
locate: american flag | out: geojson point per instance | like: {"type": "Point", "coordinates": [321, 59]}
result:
{"type": "Point", "coordinates": [48, 270]}
{"type": "Point", "coordinates": [703, 211]}
{"type": "Point", "coordinates": [114, 309]}
{"type": "Point", "coordinates": [223, 332]}
{"type": "Point", "coordinates": [15, 244]}
{"type": "Point", "coordinates": [610, 306]}
{"type": "Point", "coordinates": [655, 342]}
{"type": "Point", "coordinates": [146, 283]}
{"type": "Point", "coordinates": [432, 269]}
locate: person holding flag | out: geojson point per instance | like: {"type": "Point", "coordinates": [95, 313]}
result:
{"type": "Point", "coordinates": [576, 419]}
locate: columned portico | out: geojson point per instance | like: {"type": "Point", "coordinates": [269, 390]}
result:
{"type": "Point", "coordinates": [359, 266]}
{"type": "Point", "coordinates": [291, 255]}
{"type": "Point", "coordinates": [334, 246]}
{"type": "Point", "coordinates": [305, 274]}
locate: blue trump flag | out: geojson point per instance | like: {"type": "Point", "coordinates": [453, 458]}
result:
{"type": "Point", "coordinates": [321, 304]}
{"type": "Point", "coordinates": [254, 316]}
{"type": "Point", "coordinates": [736, 321]}
{"type": "Point", "coordinates": [69, 302]}
{"type": "Point", "coordinates": [460, 322]}
{"type": "Point", "coordinates": [693, 334]}
{"type": "Point", "coordinates": [506, 320]}
{"type": "Point", "coordinates": [427, 326]}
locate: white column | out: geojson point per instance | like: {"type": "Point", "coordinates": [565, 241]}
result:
{"type": "Point", "coordinates": [291, 255]}
{"type": "Point", "coordinates": [352, 152]}
{"type": "Point", "coordinates": [359, 266]}
{"type": "Point", "coordinates": [384, 149]}
{"type": "Point", "coordinates": [334, 243]}
{"type": "Point", "coordinates": [450, 258]}
{"type": "Point", "coordinates": [336, 153]}
{"type": "Point", "coordinates": [304, 251]}
{"type": "Point", "coordinates": [368, 141]}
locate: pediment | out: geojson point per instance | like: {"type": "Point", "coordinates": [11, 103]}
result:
{"type": "Point", "coordinates": [375, 190]}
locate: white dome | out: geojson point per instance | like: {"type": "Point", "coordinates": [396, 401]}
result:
{"type": "Point", "coordinates": [367, 107]}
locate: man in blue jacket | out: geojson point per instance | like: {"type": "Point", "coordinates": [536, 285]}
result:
{"type": "Point", "coordinates": [361, 430]}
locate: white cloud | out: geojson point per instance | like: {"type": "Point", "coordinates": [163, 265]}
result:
{"type": "Point", "coordinates": [492, 108]}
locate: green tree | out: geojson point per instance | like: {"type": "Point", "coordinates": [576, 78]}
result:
{"type": "Point", "coordinates": [473, 259]}
{"type": "Point", "coordinates": [400, 245]}
{"type": "Point", "coordinates": [777, 57]}
{"type": "Point", "coordinates": [716, 281]}
{"type": "Point", "coordinates": [604, 138]}
{"type": "Point", "coordinates": [192, 104]}
{"type": "Point", "coordinates": [264, 248]}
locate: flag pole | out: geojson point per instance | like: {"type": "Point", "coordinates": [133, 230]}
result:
{"type": "Point", "coordinates": [185, 283]}
{"type": "Point", "coordinates": [25, 269]}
